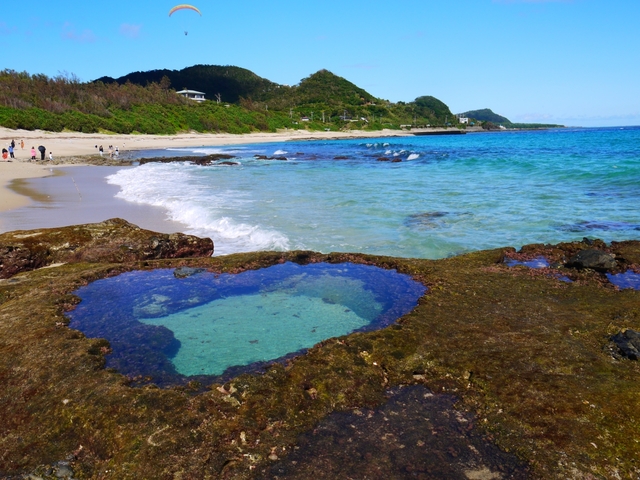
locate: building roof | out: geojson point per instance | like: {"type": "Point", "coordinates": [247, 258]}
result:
{"type": "Point", "coordinates": [195, 92]}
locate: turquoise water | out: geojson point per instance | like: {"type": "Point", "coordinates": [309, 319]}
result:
{"type": "Point", "coordinates": [250, 329]}
{"type": "Point", "coordinates": [448, 195]}
{"type": "Point", "coordinates": [168, 329]}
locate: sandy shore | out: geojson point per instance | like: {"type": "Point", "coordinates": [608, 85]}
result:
{"type": "Point", "coordinates": [15, 195]}
{"type": "Point", "coordinates": [73, 143]}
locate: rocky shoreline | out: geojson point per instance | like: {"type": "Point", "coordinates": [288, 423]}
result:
{"type": "Point", "coordinates": [521, 365]}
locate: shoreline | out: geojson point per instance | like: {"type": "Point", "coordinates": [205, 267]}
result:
{"type": "Point", "coordinates": [65, 144]}
{"type": "Point", "coordinates": [75, 149]}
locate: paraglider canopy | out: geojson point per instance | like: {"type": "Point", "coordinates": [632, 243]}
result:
{"type": "Point", "coordinates": [184, 7]}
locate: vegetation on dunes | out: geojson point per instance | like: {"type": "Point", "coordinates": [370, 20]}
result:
{"type": "Point", "coordinates": [239, 101]}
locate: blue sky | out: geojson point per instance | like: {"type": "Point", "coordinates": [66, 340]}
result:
{"type": "Point", "coordinates": [575, 62]}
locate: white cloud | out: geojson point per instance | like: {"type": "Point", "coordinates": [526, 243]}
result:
{"type": "Point", "coordinates": [6, 29]}
{"type": "Point", "coordinates": [69, 33]}
{"type": "Point", "coordinates": [130, 31]}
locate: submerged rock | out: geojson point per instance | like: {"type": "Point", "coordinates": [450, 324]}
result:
{"type": "Point", "coordinates": [184, 272]}
{"type": "Point", "coordinates": [113, 240]}
{"type": "Point", "coordinates": [594, 259]}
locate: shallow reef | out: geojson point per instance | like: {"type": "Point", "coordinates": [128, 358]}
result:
{"type": "Point", "coordinates": [499, 372]}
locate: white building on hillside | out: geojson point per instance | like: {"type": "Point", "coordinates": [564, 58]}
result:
{"type": "Point", "coordinates": [193, 95]}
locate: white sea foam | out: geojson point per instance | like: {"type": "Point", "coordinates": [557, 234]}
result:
{"type": "Point", "coordinates": [413, 156]}
{"type": "Point", "coordinates": [280, 152]}
{"type": "Point", "coordinates": [196, 204]}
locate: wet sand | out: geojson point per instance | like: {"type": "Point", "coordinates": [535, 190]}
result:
{"type": "Point", "coordinates": [73, 195]}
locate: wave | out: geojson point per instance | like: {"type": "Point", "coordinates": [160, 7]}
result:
{"type": "Point", "coordinates": [194, 202]}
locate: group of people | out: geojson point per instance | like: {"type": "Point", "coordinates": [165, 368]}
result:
{"type": "Point", "coordinates": [9, 152]}
{"type": "Point", "coordinates": [112, 152]}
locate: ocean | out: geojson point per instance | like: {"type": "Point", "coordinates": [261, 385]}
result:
{"type": "Point", "coordinates": [422, 197]}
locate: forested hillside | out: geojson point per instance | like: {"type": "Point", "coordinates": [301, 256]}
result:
{"type": "Point", "coordinates": [231, 83]}
{"type": "Point", "coordinates": [239, 101]}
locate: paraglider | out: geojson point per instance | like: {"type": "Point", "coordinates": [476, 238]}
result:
{"type": "Point", "coordinates": [184, 6]}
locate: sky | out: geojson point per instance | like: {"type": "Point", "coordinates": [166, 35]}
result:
{"type": "Point", "coordinates": [573, 62]}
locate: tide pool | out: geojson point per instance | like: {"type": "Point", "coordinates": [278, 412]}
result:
{"type": "Point", "coordinates": [168, 328]}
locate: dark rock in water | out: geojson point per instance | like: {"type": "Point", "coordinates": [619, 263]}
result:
{"type": "Point", "coordinates": [341, 157]}
{"type": "Point", "coordinates": [603, 226]}
{"type": "Point", "coordinates": [184, 272]}
{"type": "Point", "coordinates": [204, 160]}
{"type": "Point", "coordinates": [628, 343]}
{"type": "Point", "coordinates": [594, 259]}
{"type": "Point", "coordinates": [383, 159]}
{"type": "Point", "coordinates": [111, 241]}
{"type": "Point", "coordinates": [226, 162]}
{"type": "Point", "coordinates": [396, 160]}
{"type": "Point", "coordinates": [426, 220]}
{"type": "Point", "coordinates": [264, 157]}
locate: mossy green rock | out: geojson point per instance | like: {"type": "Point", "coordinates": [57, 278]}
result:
{"type": "Point", "coordinates": [525, 353]}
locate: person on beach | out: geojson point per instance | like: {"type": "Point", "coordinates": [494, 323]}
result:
{"type": "Point", "coordinates": [5, 154]}
{"type": "Point", "coordinates": [11, 147]}
{"type": "Point", "coordinates": [33, 153]}
{"type": "Point", "coordinates": [101, 150]}
{"type": "Point", "coordinates": [42, 151]}
{"type": "Point", "coordinates": [50, 156]}
{"type": "Point", "coordinates": [21, 144]}
{"type": "Point", "coordinates": [13, 144]}
{"type": "Point", "coordinates": [117, 151]}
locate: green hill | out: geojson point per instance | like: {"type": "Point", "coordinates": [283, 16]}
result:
{"type": "Point", "coordinates": [146, 102]}
{"type": "Point", "coordinates": [325, 87]}
{"type": "Point", "coordinates": [486, 115]}
{"type": "Point", "coordinates": [232, 83]}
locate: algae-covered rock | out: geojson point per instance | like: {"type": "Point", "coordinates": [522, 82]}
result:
{"type": "Point", "coordinates": [519, 358]}
{"type": "Point", "coordinates": [594, 259]}
{"type": "Point", "coordinates": [113, 240]}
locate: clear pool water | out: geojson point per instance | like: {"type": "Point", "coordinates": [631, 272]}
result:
{"type": "Point", "coordinates": [168, 328]}
{"type": "Point", "coordinates": [628, 279]}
